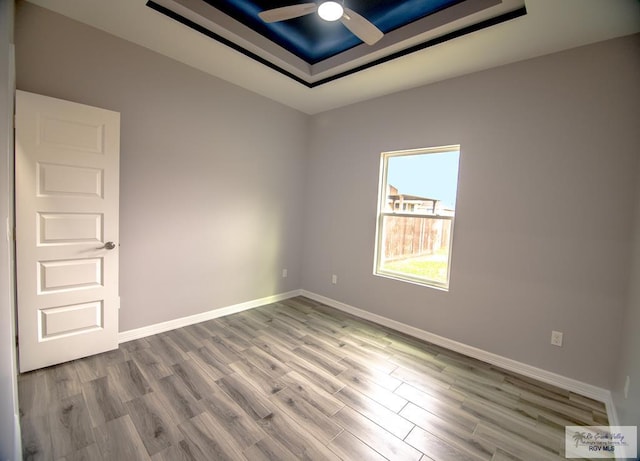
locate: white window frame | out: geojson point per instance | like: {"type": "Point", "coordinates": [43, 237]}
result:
{"type": "Point", "coordinates": [382, 213]}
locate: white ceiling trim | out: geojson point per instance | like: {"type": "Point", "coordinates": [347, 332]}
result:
{"type": "Point", "coordinates": [549, 26]}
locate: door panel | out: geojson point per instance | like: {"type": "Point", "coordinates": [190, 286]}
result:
{"type": "Point", "coordinates": [69, 228]}
{"type": "Point", "coordinates": [68, 320]}
{"type": "Point", "coordinates": [67, 161]}
{"type": "Point", "coordinates": [69, 133]}
{"type": "Point", "coordinates": [69, 180]}
{"type": "Point", "coordinates": [75, 274]}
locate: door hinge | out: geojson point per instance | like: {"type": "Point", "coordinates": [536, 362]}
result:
{"type": "Point", "coordinates": [17, 341]}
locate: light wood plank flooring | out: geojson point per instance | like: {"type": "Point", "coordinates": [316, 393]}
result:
{"type": "Point", "coordinates": [294, 380]}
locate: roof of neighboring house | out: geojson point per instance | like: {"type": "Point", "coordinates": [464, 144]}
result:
{"type": "Point", "coordinates": [412, 197]}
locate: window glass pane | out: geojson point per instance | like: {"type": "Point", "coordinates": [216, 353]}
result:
{"type": "Point", "coordinates": [423, 183]}
{"type": "Point", "coordinates": [416, 215]}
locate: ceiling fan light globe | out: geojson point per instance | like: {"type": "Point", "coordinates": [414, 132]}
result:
{"type": "Point", "coordinates": [330, 11]}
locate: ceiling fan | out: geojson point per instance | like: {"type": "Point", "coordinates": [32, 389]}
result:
{"type": "Point", "coordinates": [329, 11]}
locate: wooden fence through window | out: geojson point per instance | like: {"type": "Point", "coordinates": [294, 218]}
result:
{"type": "Point", "coordinates": [414, 236]}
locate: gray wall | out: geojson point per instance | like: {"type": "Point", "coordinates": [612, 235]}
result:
{"type": "Point", "coordinates": [629, 409]}
{"type": "Point", "coordinates": [549, 154]}
{"type": "Point", "coordinates": [211, 174]}
{"type": "Point", "coordinates": [9, 431]}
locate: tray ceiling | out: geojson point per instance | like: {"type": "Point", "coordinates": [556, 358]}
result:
{"type": "Point", "coordinates": [313, 52]}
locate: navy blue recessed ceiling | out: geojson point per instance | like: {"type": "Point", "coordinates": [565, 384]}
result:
{"type": "Point", "coordinates": [313, 51]}
{"type": "Point", "coordinates": [314, 39]}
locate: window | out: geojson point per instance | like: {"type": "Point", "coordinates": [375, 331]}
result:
{"type": "Point", "coordinates": [416, 210]}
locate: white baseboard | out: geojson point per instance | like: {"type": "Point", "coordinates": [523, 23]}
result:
{"type": "Point", "coordinates": [17, 443]}
{"type": "Point", "coordinates": [156, 328]}
{"type": "Point", "coordinates": [587, 390]}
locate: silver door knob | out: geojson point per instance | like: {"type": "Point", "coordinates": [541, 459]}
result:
{"type": "Point", "coordinates": [108, 246]}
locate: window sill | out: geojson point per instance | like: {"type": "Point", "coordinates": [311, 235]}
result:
{"type": "Point", "coordinates": [413, 280]}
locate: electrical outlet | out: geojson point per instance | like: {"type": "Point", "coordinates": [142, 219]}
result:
{"type": "Point", "coordinates": [556, 338]}
{"type": "Point", "coordinates": [334, 279]}
{"type": "Point", "coordinates": [284, 273]}
{"type": "Point", "coordinates": [627, 384]}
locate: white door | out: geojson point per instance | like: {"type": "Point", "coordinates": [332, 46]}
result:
{"type": "Point", "coordinates": [67, 187]}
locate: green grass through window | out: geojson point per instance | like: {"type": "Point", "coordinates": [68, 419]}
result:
{"type": "Point", "coordinates": [430, 267]}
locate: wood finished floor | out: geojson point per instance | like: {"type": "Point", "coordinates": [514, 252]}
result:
{"type": "Point", "coordinates": [294, 380]}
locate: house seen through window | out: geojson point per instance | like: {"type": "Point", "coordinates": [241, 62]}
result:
{"type": "Point", "coordinates": [416, 211]}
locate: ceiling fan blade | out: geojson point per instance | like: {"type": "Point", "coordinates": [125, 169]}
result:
{"type": "Point", "coordinates": [360, 27]}
{"type": "Point", "coordinates": [287, 12]}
